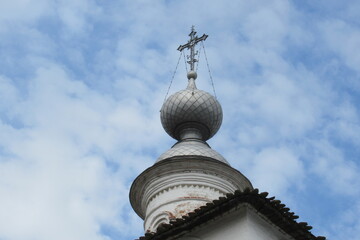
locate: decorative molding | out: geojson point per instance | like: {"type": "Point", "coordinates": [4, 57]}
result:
{"type": "Point", "coordinates": [159, 219]}
{"type": "Point", "coordinates": [188, 186]}
{"type": "Point", "coordinates": [176, 200]}
{"type": "Point", "coordinates": [184, 173]}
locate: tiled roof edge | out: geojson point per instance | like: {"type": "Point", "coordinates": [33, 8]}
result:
{"type": "Point", "coordinates": [270, 207]}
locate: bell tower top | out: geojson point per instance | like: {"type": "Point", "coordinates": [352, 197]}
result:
{"type": "Point", "coordinates": [190, 174]}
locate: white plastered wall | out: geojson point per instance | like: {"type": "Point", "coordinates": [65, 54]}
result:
{"type": "Point", "coordinates": [244, 223]}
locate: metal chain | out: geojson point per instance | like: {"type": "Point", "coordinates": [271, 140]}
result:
{"type": "Point", "coordinates": [185, 63]}
{"type": "Point", "coordinates": [198, 61]}
{"type": "Point", "coordinates": [207, 63]}
{"type": "Point", "coordinates": [173, 76]}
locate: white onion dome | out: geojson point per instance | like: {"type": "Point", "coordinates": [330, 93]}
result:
{"type": "Point", "coordinates": [191, 109]}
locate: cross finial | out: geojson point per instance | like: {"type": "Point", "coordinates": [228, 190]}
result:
{"type": "Point", "coordinates": [191, 45]}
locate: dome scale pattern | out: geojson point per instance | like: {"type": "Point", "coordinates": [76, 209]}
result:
{"type": "Point", "coordinates": [191, 108]}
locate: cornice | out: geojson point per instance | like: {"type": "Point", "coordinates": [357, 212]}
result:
{"type": "Point", "coordinates": [203, 169]}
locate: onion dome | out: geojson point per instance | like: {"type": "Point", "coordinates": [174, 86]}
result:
{"type": "Point", "coordinates": [191, 109]}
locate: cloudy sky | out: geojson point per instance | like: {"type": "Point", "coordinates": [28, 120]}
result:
{"type": "Point", "coordinates": [82, 83]}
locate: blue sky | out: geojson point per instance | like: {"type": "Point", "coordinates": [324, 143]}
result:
{"type": "Point", "coordinates": [82, 83]}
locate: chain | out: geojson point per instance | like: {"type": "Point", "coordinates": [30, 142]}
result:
{"type": "Point", "coordinates": [207, 63]}
{"type": "Point", "coordinates": [198, 60]}
{"type": "Point", "coordinates": [173, 76]}
{"type": "Point", "coordinates": [185, 63]}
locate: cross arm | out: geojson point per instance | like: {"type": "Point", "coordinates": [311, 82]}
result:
{"type": "Point", "coordinates": [191, 43]}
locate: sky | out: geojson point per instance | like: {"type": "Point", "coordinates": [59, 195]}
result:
{"type": "Point", "coordinates": [82, 83]}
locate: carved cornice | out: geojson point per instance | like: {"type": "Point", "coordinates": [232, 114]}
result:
{"type": "Point", "coordinates": [186, 171]}
{"type": "Point", "coordinates": [184, 186]}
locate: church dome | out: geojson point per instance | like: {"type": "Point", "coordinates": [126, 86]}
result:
{"type": "Point", "coordinates": [191, 108]}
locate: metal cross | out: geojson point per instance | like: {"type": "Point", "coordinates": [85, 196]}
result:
{"type": "Point", "coordinates": [191, 45]}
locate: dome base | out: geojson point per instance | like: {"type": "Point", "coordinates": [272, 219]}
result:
{"type": "Point", "coordinates": [174, 187]}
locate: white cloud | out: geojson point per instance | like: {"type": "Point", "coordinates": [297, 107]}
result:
{"type": "Point", "coordinates": [26, 11]}
{"type": "Point", "coordinates": [276, 169]}
{"type": "Point", "coordinates": [9, 95]}
{"type": "Point", "coordinates": [82, 83]}
{"type": "Point", "coordinates": [340, 175]}
{"type": "Point", "coordinates": [53, 173]}
{"type": "Point", "coordinates": [342, 38]}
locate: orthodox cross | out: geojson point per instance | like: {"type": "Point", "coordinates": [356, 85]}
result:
{"type": "Point", "coordinates": [191, 45]}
